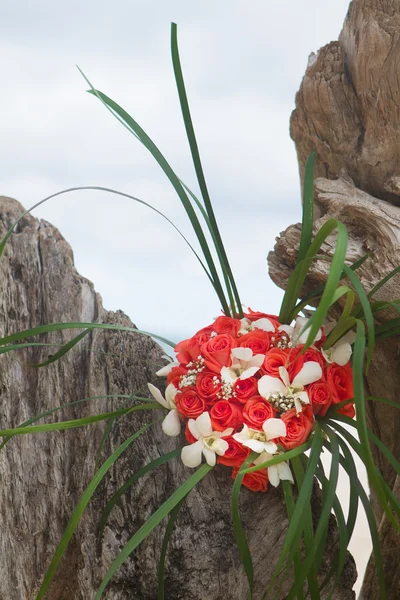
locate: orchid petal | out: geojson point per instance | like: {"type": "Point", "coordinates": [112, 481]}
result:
{"type": "Point", "coordinates": [220, 447]}
{"type": "Point", "coordinates": [302, 397]}
{"type": "Point", "coordinates": [210, 456]}
{"type": "Point", "coordinates": [298, 406]}
{"type": "Point", "coordinates": [286, 329]}
{"type": "Point", "coordinates": [249, 372]}
{"type": "Point", "coordinates": [227, 432]}
{"type": "Point", "coordinates": [242, 436]}
{"type": "Point", "coordinates": [242, 353]}
{"type": "Point", "coordinates": [170, 393]}
{"type": "Point", "coordinates": [270, 447]}
{"type": "Point", "coordinates": [164, 371]}
{"type": "Point", "coordinates": [157, 395]}
{"type": "Point", "coordinates": [228, 375]}
{"type": "Point", "coordinates": [268, 385]}
{"type": "Point", "coordinates": [310, 372]}
{"type": "Point", "coordinates": [273, 475]}
{"type": "Point", "coordinates": [257, 360]}
{"type": "Point", "coordinates": [203, 424]}
{"type": "Point", "coordinates": [284, 375]}
{"type": "Point", "coordinates": [264, 324]}
{"type": "Point", "coordinates": [301, 322]}
{"type": "Point", "coordinates": [193, 428]}
{"type": "Point", "coordinates": [191, 455]}
{"type": "Point", "coordinates": [254, 445]}
{"type": "Point", "coordinates": [341, 354]}
{"type": "Point", "coordinates": [264, 456]}
{"type": "Point", "coordinates": [285, 472]}
{"type": "Point", "coordinates": [172, 423]}
{"type": "Point", "coordinates": [274, 428]}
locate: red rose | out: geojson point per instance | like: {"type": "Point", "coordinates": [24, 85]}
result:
{"type": "Point", "coordinates": [217, 352]}
{"type": "Point", "coordinates": [205, 332]}
{"type": "Point", "coordinates": [340, 381]}
{"type": "Point", "coordinates": [256, 411]}
{"type": "Point", "coordinates": [175, 374]}
{"type": "Point", "coordinates": [207, 387]}
{"type": "Point", "coordinates": [347, 410]}
{"type": "Point", "coordinates": [235, 455]}
{"type": "Point", "coordinates": [257, 481]}
{"type": "Point", "coordinates": [187, 350]}
{"type": "Point", "coordinates": [274, 359]}
{"type": "Point", "coordinates": [298, 358]}
{"type": "Point", "coordinates": [320, 397]}
{"type": "Point", "coordinates": [225, 414]}
{"type": "Point", "coordinates": [189, 403]}
{"type": "Point", "coordinates": [227, 325]}
{"type": "Point", "coordinates": [298, 427]}
{"type": "Point", "coordinates": [254, 316]}
{"type": "Point", "coordinates": [258, 340]}
{"type": "Point", "coordinates": [245, 389]}
{"type": "Point", "coordinates": [189, 436]}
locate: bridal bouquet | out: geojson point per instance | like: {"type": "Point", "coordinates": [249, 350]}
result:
{"type": "Point", "coordinates": [263, 395]}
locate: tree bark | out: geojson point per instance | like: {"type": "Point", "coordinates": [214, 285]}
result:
{"type": "Point", "coordinates": [44, 475]}
{"type": "Point", "coordinates": [348, 111]}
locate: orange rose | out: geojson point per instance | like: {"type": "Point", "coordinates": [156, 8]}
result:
{"type": "Point", "coordinates": [225, 414]}
{"type": "Point", "coordinates": [257, 481]}
{"type": "Point", "coordinates": [175, 374]}
{"type": "Point", "coordinates": [235, 455]}
{"type": "Point", "coordinates": [298, 427]}
{"type": "Point", "coordinates": [256, 411]}
{"type": "Point", "coordinates": [217, 352]}
{"type": "Point", "coordinates": [257, 340]}
{"type": "Point", "coordinates": [347, 410]}
{"type": "Point", "coordinates": [274, 359]}
{"type": "Point", "coordinates": [189, 403]}
{"type": "Point", "coordinates": [227, 325]}
{"type": "Point", "coordinates": [340, 381]}
{"type": "Point", "coordinates": [245, 389]}
{"type": "Point", "coordinates": [320, 397]}
{"type": "Point", "coordinates": [207, 387]}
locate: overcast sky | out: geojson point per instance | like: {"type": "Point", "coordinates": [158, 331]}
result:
{"type": "Point", "coordinates": [243, 62]}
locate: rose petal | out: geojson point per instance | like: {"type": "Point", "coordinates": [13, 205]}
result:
{"type": "Point", "coordinates": [203, 424]}
{"type": "Point", "coordinates": [310, 372]}
{"type": "Point", "coordinates": [172, 423]}
{"type": "Point", "coordinates": [157, 395]}
{"type": "Point", "coordinates": [274, 428]}
{"type": "Point", "coordinates": [191, 455]}
{"type": "Point", "coordinates": [268, 385]}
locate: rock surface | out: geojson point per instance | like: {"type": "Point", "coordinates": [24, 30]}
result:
{"type": "Point", "coordinates": [43, 476]}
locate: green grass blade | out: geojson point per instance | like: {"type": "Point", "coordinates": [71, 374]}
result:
{"type": "Point", "coordinates": [382, 282]}
{"type": "Point", "coordinates": [285, 456]}
{"type": "Point", "coordinates": [63, 350]}
{"type": "Point", "coordinates": [133, 126]}
{"type": "Point", "coordinates": [78, 512]}
{"type": "Point", "coordinates": [151, 523]}
{"type": "Point", "coordinates": [57, 408]}
{"type": "Point", "coordinates": [180, 84]}
{"type": "Point", "coordinates": [105, 435]}
{"type": "Point", "coordinates": [129, 482]}
{"type": "Point", "coordinates": [168, 532]}
{"type": "Point", "coordinates": [27, 333]}
{"type": "Point", "coordinates": [61, 426]}
{"type": "Point", "coordinates": [240, 536]}
{"type": "Point", "coordinates": [308, 208]}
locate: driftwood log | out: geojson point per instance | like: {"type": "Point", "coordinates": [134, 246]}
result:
{"type": "Point", "coordinates": [348, 111]}
{"type": "Point", "coordinates": [43, 476]}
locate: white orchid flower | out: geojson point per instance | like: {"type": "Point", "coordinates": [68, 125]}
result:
{"type": "Point", "coordinates": [172, 423]}
{"type": "Point", "coordinates": [340, 353]}
{"type": "Point", "coordinates": [164, 371]}
{"type": "Point", "coordinates": [260, 441]}
{"type": "Point", "coordinates": [245, 326]}
{"type": "Point", "coordinates": [282, 393]}
{"type": "Point", "coordinates": [209, 442]}
{"type": "Point", "coordinates": [276, 473]}
{"type": "Point", "coordinates": [294, 333]}
{"type": "Point", "coordinates": [264, 324]}
{"type": "Point", "coordinates": [244, 365]}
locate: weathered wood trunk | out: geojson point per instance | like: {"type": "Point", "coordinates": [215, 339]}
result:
{"type": "Point", "coordinates": [44, 475]}
{"type": "Point", "coordinates": [348, 111]}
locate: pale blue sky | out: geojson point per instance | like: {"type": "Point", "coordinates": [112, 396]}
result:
{"type": "Point", "coordinates": [243, 62]}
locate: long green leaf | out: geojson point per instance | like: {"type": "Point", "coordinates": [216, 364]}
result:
{"type": "Point", "coordinates": [61, 426]}
{"type": "Point", "coordinates": [151, 523]}
{"type": "Point", "coordinates": [63, 350]}
{"type": "Point", "coordinates": [27, 333]}
{"type": "Point", "coordinates": [240, 536]}
{"type": "Point", "coordinates": [168, 532]}
{"type": "Point", "coordinates": [284, 456]}
{"type": "Point", "coordinates": [180, 84]}
{"type": "Point", "coordinates": [129, 482]}
{"type": "Point", "coordinates": [78, 512]}
{"type": "Point", "coordinates": [308, 208]}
